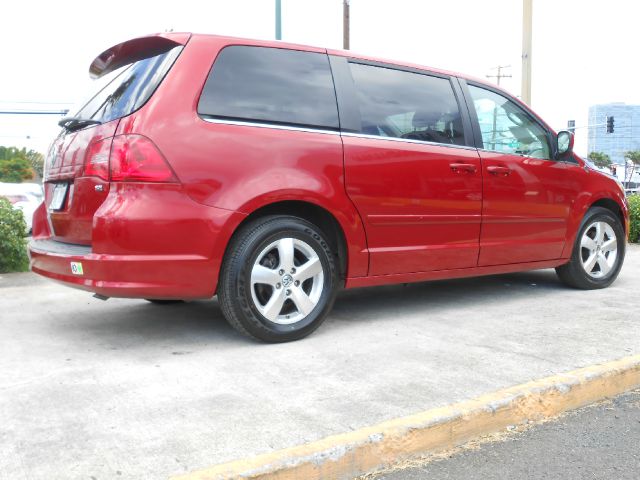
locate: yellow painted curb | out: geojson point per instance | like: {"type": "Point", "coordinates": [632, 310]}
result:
{"type": "Point", "coordinates": [355, 453]}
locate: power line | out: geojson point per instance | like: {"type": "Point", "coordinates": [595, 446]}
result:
{"type": "Point", "coordinates": [34, 103]}
{"type": "Point", "coordinates": [34, 112]}
{"type": "Point", "coordinates": [28, 137]}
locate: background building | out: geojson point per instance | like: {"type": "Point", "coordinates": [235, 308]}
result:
{"type": "Point", "coordinates": [626, 134]}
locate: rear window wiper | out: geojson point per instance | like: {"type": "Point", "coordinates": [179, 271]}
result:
{"type": "Point", "coordinates": [72, 124]}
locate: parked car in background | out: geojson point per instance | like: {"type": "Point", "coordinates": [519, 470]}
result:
{"type": "Point", "coordinates": [632, 191]}
{"type": "Point", "coordinates": [25, 197]}
{"type": "Point", "coordinates": [272, 175]}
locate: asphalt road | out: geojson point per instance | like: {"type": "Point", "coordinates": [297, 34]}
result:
{"type": "Point", "coordinates": [126, 389]}
{"type": "Point", "coordinates": [598, 442]}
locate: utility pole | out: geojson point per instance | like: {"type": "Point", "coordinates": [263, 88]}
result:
{"type": "Point", "coordinates": [499, 75]}
{"type": "Point", "coordinates": [278, 19]}
{"type": "Point", "coordinates": [527, 15]}
{"type": "Point", "coordinates": [345, 24]}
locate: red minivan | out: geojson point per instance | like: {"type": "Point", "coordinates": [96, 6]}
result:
{"type": "Point", "coordinates": [272, 175]}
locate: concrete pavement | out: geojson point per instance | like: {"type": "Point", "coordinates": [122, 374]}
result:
{"type": "Point", "coordinates": [127, 389]}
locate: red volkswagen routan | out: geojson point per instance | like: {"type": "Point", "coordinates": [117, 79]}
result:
{"type": "Point", "coordinates": [272, 175]}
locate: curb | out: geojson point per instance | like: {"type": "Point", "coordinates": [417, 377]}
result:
{"type": "Point", "coordinates": [348, 455]}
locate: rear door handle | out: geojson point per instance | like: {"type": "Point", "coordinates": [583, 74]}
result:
{"type": "Point", "coordinates": [497, 170]}
{"type": "Point", "coordinates": [463, 167]}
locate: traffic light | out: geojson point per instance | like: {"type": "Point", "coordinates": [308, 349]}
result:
{"type": "Point", "coordinates": [610, 125]}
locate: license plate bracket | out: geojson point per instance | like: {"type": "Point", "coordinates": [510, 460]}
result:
{"type": "Point", "coordinates": [59, 195]}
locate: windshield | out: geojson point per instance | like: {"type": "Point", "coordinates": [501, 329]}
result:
{"type": "Point", "coordinates": [129, 89]}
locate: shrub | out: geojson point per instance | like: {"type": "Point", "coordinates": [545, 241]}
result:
{"type": "Point", "coordinates": [634, 213]}
{"type": "Point", "coordinates": [13, 248]}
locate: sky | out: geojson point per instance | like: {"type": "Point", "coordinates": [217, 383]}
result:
{"type": "Point", "coordinates": [584, 51]}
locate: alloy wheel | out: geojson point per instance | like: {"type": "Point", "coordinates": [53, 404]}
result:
{"type": "Point", "coordinates": [287, 279]}
{"type": "Point", "coordinates": [598, 249]}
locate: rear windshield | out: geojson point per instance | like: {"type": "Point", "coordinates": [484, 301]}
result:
{"type": "Point", "coordinates": [129, 89]}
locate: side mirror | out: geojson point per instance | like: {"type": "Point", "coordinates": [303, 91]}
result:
{"type": "Point", "coordinates": [565, 142]}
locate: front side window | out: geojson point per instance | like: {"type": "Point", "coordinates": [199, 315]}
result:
{"type": "Point", "coordinates": [506, 128]}
{"type": "Point", "coordinates": [401, 104]}
{"type": "Point", "coordinates": [271, 85]}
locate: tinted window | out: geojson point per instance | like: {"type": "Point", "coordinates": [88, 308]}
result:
{"type": "Point", "coordinates": [395, 103]}
{"type": "Point", "coordinates": [130, 89]}
{"type": "Point", "coordinates": [271, 85]}
{"type": "Point", "coordinates": [506, 128]}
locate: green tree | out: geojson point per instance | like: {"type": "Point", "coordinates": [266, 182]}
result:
{"type": "Point", "coordinates": [15, 170]}
{"type": "Point", "coordinates": [632, 156]}
{"type": "Point", "coordinates": [600, 160]}
{"type": "Point", "coordinates": [36, 159]}
{"type": "Point", "coordinates": [7, 153]}
{"type": "Point", "coordinates": [18, 164]}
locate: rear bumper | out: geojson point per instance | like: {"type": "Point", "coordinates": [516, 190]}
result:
{"type": "Point", "coordinates": [147, 241]}
{"type": "Point", "coordinates": [129, 276]}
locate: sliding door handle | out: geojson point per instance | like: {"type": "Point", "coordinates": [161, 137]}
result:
{"type": "Point", "coordinates": [463, 167]}
{"type": "Point", "coordinates": [497, 170]}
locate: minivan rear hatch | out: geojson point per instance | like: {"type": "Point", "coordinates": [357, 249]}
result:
{"type": "Point", "coordinates": [77, 176]}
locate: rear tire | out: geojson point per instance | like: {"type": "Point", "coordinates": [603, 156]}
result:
{"type": "Point", "coordinates": [598, 252]}
{"type": "Point", "coordinates": [278, 280]}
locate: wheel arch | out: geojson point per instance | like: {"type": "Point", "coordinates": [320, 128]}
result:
{"type": "Point", "coordinates": [603, 201]}
{"type": "Point", "coordinates": [612, 206]}
{"type": "Point", "coordinates": [313, 213]}
{"type": "Point", "coordinates": [579, 276]}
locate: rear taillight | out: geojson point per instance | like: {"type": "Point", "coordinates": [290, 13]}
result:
{"type": "Point", "coordinates": [127, 158]}
{"type": "Point", "coordinates": [96, 160]}
{"type": "Point", "coordinates": [135, 158]}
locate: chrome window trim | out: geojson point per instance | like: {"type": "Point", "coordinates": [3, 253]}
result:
{"type": "Point", "coordinates": [407, 140]}
{"type": "Point", "coordinates": [241, 123]}
{"type": "Point", "coordinates": [332, 132]}
{"type": "Point", "coordinates": [522, 155]}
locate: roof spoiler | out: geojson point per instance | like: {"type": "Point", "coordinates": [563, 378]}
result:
{"type": "Point", "coordinates": [133, 50]}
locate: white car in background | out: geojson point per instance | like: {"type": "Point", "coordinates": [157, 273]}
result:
{"type": "Point", "coordinates": [25, 197]}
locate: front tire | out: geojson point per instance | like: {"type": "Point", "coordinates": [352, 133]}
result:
{"type": "Point", "coordinates": [278, 280]}
{"type": "Point", "coordinates": [598, 252]}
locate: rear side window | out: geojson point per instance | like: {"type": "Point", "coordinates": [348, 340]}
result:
{"type": "Point", "coordinates": [401, 104]}
{"type": "Point", "coordinates": [271, 85]}
{"type": "Point", "coordinates": [130, 88]}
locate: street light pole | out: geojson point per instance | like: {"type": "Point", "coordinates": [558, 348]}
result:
{"type": "Point", "coordinates": [527, 14]}
{"type": "Point", "coordinates": [345, 24]}
{"type": "Point", "coordinates": [278, 20]}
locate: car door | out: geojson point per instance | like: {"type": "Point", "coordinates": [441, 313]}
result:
{"type": "Point", "coordinates": [527, 194]}
{"type": "Point", "coordinates": [409, 170]}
